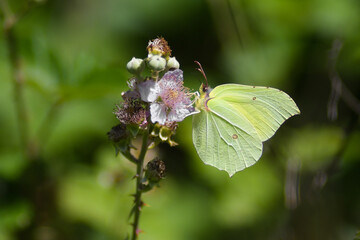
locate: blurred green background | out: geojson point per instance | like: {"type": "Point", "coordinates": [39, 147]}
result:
{"type": "Point", "coordinates": [69, 185]}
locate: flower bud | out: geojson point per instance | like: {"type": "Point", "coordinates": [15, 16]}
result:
{"type": "Point", "coordinates": [135, 66]}
{"type": "Point", "coordinates": [157, 63]}
{"type": "Point", "coordinates": [173, 63]}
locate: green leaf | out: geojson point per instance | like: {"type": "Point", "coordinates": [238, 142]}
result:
{"type": "Point", "coordinates": [133, 129]}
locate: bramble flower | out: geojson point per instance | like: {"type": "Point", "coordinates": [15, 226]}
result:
{"type": "Point", "coordinates": [170, 100]}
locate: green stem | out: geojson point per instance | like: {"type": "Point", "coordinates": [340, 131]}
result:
{"type": "Point", "coordinates": [130, 157]}
{"type": "Point", "coordinates": [155, 75]}
{"type": "Point", "coordinates": [139, 178]}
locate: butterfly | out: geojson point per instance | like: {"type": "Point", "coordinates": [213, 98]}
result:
{"type": "Point", "coordinates": [235, 120]}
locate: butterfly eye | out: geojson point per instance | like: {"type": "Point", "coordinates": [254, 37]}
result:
{"type": "Point", "coordinates": [205, 88]}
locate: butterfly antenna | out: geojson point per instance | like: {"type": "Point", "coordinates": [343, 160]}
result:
{"type": "Point", "coordinates": [200, 69]}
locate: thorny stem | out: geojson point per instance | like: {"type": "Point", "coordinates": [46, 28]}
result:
{"type": "Point", "coordinates": [18, 79]}
{"type": "Point", "coordinates": [139, 178]}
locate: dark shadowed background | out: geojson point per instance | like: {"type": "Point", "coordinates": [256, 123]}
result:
{"type": "Point", "coordinates": [60, 179]}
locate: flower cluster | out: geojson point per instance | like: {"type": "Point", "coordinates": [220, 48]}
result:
{"type": "Point", "coordinates": [159, 100]}
{"type": "Point", "coordinates": [152, 107]}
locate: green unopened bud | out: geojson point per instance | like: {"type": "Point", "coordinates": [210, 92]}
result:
{"type": "Point", "coordinates": [135, 66]}
{"type": "Point", "coordinates": [157, 63]}
{"type": "Point", "coordinates": [173, 63]}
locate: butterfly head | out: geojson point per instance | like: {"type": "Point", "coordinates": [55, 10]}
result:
{"type": "Point", "coordinates": [204, 88]}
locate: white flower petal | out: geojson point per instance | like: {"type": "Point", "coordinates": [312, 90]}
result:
{"type": "Point", "coordinates": [149, 90]}
{"type": "Point", "coordinates": [158, 113]}
{"type": "Point", "coordinates": [176, 75]}
{"type": "Point", "coordinates": [180, 113]}
{"type": "Point", "coordinates": [132, 83]}
{"type": "Point", "coordinates": [177, 115]}
{"type": "Point", "coordinates": [130, 94]}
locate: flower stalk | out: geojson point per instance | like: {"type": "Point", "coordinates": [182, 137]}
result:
{"type": "Point", "coordinates": [139, 185]}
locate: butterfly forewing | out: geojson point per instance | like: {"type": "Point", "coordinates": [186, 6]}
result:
{"type": "Point", "coordinates": [265, 108]}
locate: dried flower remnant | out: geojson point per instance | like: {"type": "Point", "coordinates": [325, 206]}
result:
{"type": "Point", "coordinates": [155, 170]}
{"type": "Point", "coordinates": [117, 133]}
{"type": "Point", "coordinates": [131, 111]}
{"type": "Point", "coordinates": [159, 46]}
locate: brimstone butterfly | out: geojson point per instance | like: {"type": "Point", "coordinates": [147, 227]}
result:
{"type": "Point", "coordinates": [235, 120]}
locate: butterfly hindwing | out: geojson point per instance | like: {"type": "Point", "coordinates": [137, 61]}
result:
{"type": "Point", "coordinates": [223, 145]}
